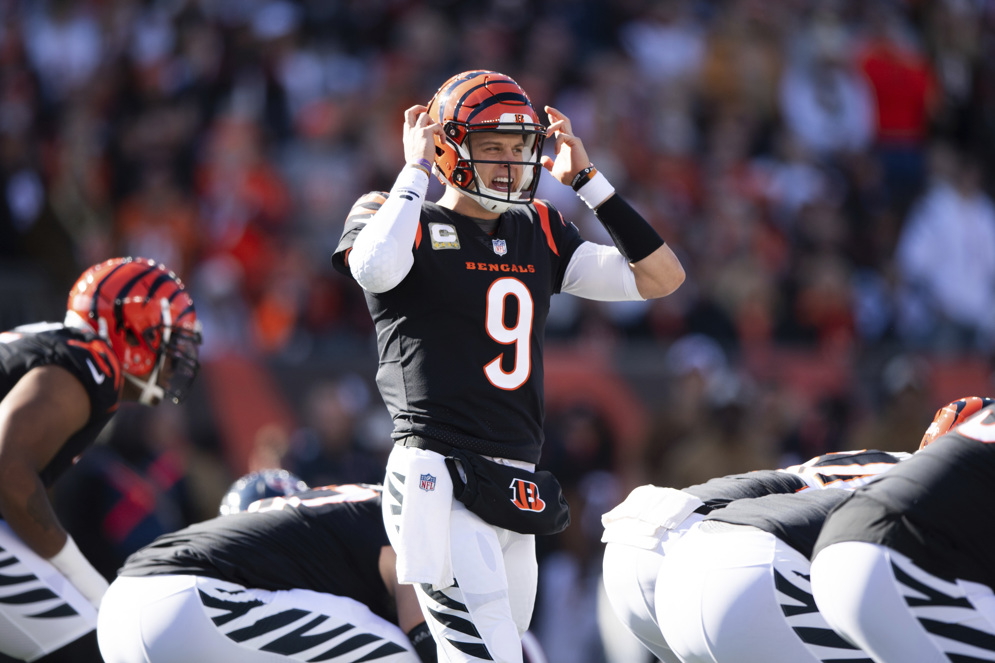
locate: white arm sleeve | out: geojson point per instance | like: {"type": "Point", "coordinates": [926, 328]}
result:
{"type": "Point", "coordinates": [382, 254]}
{"type": "Point", "coordinates": [602, 273]}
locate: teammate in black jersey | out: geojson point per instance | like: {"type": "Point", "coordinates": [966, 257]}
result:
{"type": "Point", "coordinates": [130, 333]}
{"type": "Point", "coordinates": [905, 567]}
{"type": "Point", "coordinates": [306, 574]}
{"type": "Point", "coordinates": [307, 577]}
{"type": "Point", "coordinates": [643, 533]}
{"type": "Point", "coordinates": [459, 291]}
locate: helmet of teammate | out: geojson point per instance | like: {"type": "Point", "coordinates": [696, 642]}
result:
{"type": "Point", "coordinates": [143, 311]}
{"type": "Point", "coordinates": [952, 414]}
{"type": "Point", "coordinates": [485, 101]}
{"type": "Point", "coordinates": [259, 485]}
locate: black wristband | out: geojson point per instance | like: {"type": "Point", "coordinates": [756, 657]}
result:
{"type": "Point", "coordinates": [634, 237]}
{"type": "Point", "coordinates": [421, 639]}
{"type": "Point", "coordinates": [583, 177]}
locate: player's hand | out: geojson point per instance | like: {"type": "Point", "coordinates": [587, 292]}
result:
{"type": "Point", "coordinates": [571, 157]}
{"type": "Point", "coordinates": [419, 135]}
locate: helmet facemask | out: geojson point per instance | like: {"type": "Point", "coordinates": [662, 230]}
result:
{"type": "Point", "coordinates": [176, 365]}
{"type": "Point", "coordinates": [523, 174]}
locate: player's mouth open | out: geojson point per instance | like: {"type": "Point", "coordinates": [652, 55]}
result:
{"type": "Point", "coordinates": [501, 184]}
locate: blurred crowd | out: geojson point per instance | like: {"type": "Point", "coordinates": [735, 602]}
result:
{"type": "Point", "coordinates": [823, 168]}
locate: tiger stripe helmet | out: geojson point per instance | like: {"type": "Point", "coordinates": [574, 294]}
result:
{"type": "Point", "coordinates": [147, 317]}
{"type": "Point", "coordinates": [479, 101]}
{"type": "Point", "coordinates": [952, 414]}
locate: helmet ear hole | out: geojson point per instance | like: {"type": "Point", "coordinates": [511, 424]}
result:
{"type": "Point", "coordinates": [463, 176]}
{"type": "Point", "coordinates": [131, 338]}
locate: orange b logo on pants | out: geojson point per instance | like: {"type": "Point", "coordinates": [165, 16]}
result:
{"type": "Point", "coordinates": [525, 495]}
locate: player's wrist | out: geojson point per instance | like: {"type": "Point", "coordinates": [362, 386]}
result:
{"type": "Point", "coordinates": [412, 177]}
{"type": "Point", "coordinates": [592, 187]}
{"type": "Point", "coordinates": [424, 165]}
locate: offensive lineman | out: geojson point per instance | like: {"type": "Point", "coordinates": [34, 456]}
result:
{"type": "Point", "coordinates": [130, 334]}
{"type": "Point", "coordinates": [643, 532]}
{"type": "Point", "coordinates": [652, 522]}
{"type": "Point", "coordinates": [286, 572]}
{"type": "Point", "coordinates": [905, 568]}
{"type": "Point", "coordinates": [305, 577]}
{"type": "Point", "coordinates": [459, 291]}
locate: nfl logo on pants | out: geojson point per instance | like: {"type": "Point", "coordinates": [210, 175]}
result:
{"type": "Point", "coordinates": [427, 482]}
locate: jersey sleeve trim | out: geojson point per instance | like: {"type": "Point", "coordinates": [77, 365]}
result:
{"type": "Point", "coordinates": [543, 212]}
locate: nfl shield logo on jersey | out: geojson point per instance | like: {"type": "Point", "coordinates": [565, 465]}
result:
{"type": "Point", "coordinates": [500, 246]}
{"type": "Point", "coordinates": [427, 482]}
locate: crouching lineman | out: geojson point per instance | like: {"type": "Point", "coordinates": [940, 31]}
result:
{"type": "Point", "coordinates": [641, 532]}
{"type": "Point", "coordinates": [285, 573]}
{"type": "Point", "coordinates": [304, 577]}
{"type": "Point", "coordinates": [130, 334]}
{"type": "Point", "coordinates": [905, 567]}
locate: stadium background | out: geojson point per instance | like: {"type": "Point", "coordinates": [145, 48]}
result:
{"type": "Point", "coordinates": [821, 167]}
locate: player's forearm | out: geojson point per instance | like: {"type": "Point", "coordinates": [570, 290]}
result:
{"type": "Point", "coordinates": [382, 254]}
{"type": "Point", "coordinates": [657, 270]}
{"type": "Point", "coordinates": [25, 506]}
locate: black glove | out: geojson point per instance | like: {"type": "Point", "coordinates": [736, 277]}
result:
{"type": "Point", "coordinates": [421, 639]}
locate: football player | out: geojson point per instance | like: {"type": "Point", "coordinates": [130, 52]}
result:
{"type": "Point", "coordinates": [643, 531]}
{"type": "Point", "coordinates": [905, 567]}
{"type": "Point", "coordinates": [649, 526]}
{"type": "Point", "coordinates": [130, 334]}
{"type": "Point", "coordinates": [459, 291]}
{"type": "Point", "coordinates": [285, 573]}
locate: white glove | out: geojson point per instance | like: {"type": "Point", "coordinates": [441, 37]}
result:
{"type": "Point", "coordinates": [70, 562]}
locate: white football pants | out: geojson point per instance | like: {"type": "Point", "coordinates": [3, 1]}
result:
{"type": "Point", "coordinates": [734, 594]}
{"type": "Point", "coordinates": [40, 610]}
{"type": "Point", "coordinates": [878, 598]}
{"type": "Point", "coordinates": [181, 618]}
{"type": "Point", "coordinates": [483, 614]}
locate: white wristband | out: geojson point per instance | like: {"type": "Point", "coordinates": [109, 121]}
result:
{"type": "Point", "coordinates": [597, 190]}
{"type": "Point", "coordinates": [70, 562]}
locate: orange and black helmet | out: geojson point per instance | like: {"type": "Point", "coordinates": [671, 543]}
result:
{"type": "Point", "coordinates": [146, 315]}
{"type": "Point", "coordinates": [953, 414]}
{"type": "Point", "coordinates": [485, 101]}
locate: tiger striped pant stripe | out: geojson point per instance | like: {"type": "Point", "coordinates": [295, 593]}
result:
{"type": "Point", "coordinates": [255, 620]}
{"type": "Point", "coordinates": [945, 612]}
{"type": "Point", "coordinates": [794, 591]}
{"type": "Point", "coordinates": [447, 609]}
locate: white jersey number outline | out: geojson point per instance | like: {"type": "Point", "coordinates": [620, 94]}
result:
{"type": "Point", "coordinates": [519, 335]}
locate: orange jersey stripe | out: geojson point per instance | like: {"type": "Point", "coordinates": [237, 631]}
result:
{"type": "Point", "coordinates": [543, 211]}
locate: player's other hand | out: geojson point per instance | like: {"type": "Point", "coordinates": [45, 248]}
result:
{"type": "Point", "coordinates": [419, 135]}
{"type": "Point", "coordinates": [570, 155]}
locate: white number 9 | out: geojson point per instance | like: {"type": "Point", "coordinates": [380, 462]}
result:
{"type": "Point", "coordinates": [520, 334]}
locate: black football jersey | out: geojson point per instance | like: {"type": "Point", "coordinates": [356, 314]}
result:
{"type": "Point", "coordinates": [795, 518]}
{"type": "Point", "coordinates": [460, 338]}
{"type": "Point", "coordinates": [720, 491]}
{"type": "Point", "coordinates": [931, 507]}
{"type": "Point", "coordinates": [325, 540]}
{"type": "Point", "coordinates": [84, 354]}
{"type": "Point", "coordinates": [838, 469]}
